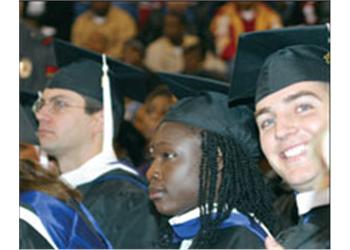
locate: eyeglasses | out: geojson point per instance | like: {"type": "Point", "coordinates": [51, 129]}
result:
{"type": "Point", "coordinates": [55, 105]}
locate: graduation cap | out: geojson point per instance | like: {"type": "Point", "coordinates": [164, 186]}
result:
{"type": "Point", "coordinates": [187, 85]}
{"type": "Point", "coordinates": [101, 78]}
{"type": "Point", "coordinates": [26, 128]}
{"type": "Point", "coordinates": [208, 110]}
{"type": "Point", "coordinates": [255, 47]}
{"type": "Point", "coordinates": [27, 99]}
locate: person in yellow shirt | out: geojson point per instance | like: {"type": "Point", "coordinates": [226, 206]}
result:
{"type": "Point", "coordinates": [103, 28]}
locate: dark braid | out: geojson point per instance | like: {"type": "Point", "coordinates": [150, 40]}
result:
{"type": "Point", "coordinates": [242, 187]}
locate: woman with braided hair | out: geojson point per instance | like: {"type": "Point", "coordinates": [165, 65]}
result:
{"type": "Point", "coordinates": [205, 176]}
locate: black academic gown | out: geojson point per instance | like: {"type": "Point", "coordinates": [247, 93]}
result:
{"type": "Point", "coordinates": [122, 209]}
{"type": "Point", "coordinates": [237, 238]}
{"type": "Point", "coordinates": [29, 238]}
{"type": "Point", "coordinates": [313, 234]}
{"type": "Point", "coordinates": [82, 232]}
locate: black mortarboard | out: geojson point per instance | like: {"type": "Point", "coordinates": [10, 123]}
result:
{"type": "Point", "coordinates": [291, 65]}
{"type": "Point", "coordinates": [26, 128]}
{"type": "Point", "coordinates": [130, 81]}
{"type": "Point", "coordinates": [209, 111]}
{"type": "Point", "coordinates": [203, 104]}
{"type": "Point", "coordinates": [186, 85]}
{"type": "Point", "coordinates": [82, 70]}
{"type": "Point", "coordinates": [27, 99]}
{"type": "Point", "coordinates": [255, 47]}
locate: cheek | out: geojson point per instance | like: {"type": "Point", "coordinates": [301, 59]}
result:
{"type": "Point", "coordinates": [266, 142]}
{"type": "Point", "coordinates": [314, 125]}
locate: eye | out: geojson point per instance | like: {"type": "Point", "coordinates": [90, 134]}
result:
{"type": "Point", "coordinates": [301, 108]}
{"type": "Point", "coordinates": [59, 104]}
{"type": "Point", "coordinates": [266, 123]}
{"type": "Point", "coordinates": [168, 156]}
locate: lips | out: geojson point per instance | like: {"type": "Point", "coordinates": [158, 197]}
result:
{"type": "Point", "coordinates": [155, 193]}
{"type": "Point", "coordinates": [43, 132]}
{"type": "Point", "coordinates": [294, 152]}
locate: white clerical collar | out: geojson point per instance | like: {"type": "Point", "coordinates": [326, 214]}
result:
{"type": "Point", "coordinates": [309, 200]}
{"type": "Point", "coordinates": [192, 214]}
{"type": "Point", "coordinates": [178, 219]}
{"type": "Point", "coordinates": [94, 168]}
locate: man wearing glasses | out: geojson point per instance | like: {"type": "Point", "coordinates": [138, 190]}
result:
{"type": "Point", "coordinates": [71, 128]}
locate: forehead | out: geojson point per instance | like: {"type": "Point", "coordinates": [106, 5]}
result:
{"type": "Point", "coordinates": [173, 133]}
{"type": "Point", "coordinates": [53, 92]}
{"type": "Point", "coordinates": [316, 88]}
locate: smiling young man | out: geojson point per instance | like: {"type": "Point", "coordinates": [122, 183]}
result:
{"type": "Point", "coordinates": [292, 110]}
{"type": "Point", "coordinates": [286, 73]}
{"type": "Point", "coordinates": [72, 128]}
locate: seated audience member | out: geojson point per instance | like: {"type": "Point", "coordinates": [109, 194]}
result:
{"type": "Point", "coordinates": [205, 176]}
{"type": "Point", "coordinates": [51, 215]}
{"type": "Point", "coordinates": [194, 60]}
{"type": "Point", "coordinates": [156, 105]}
{"type": "Point", "coordinates": [103, 28]}
{"type": "Point", "coordinates": [289, 80]}
{"type": "Point", "coordinates": [234, 18]}
{"type": "Point", "coordinates": [74, 105]}
{"type": "Point", "coordinates": [166, 53]}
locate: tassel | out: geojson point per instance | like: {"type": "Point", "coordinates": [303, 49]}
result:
{"type": "Point", "coordinates": [107, 147]}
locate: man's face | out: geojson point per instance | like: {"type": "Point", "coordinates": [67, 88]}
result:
{"type": "Point", "coordinates": [63, 124]}
{"type": "Point", "coordinates": [174, 173]}
{"type": "Point", "coordinates": [100, 8]}
{"type": "Point", "coordinates": [288, 121]}
{"type": "Point", "coordinates": [173, 28]}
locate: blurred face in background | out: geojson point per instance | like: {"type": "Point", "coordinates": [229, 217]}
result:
{"type": "Point", "coordinates": [173, 28]}
{"type": "Point", "coordinates": [100, 8]}
{"type": "Point", "coordinates": [152, 112]}
{"type": "Point", "coordinates": [132, 55]}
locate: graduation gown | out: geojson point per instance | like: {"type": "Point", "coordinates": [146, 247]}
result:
{"type": "Point", "coordinates": [117, 197]}
{"type": "Point", "coordinates": [47, 222]}
{"type": "Point", "coordinates": [313, 228]}
{"type": "Point", "coordinates": [237, 232]}
{"type": "Point", "coordinates": [29, 238]}
{"type": "Point", "coordinates": [313, 234]}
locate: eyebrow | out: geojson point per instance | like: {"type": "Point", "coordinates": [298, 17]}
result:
{"type": "Point", "coordinates": [302, 93]}
{"type": "Point", "coordinates": [288, 99]}
{"type": "Point", "coordinates": [262, 111]}
{"type": "Point", "coordinates": [59, 97]}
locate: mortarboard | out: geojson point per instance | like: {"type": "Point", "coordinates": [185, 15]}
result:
{"type": "Point", "coordinates": [291, 65]}
{"type": "Point", "coordinates": [28, 123]}
{"type": "Point", "coordinates": [187, 85]}
{"type": "Point", "coordinates": [207, 109]}
{"type": "Point", "coordinates": [255, 47]}
{"type": "Point", "coordinates": [85, 72]}
{"type": "Point", "coordinates": [26, 128]}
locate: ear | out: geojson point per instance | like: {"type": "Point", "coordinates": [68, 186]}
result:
{"type": "Point", "coordinates": [97, 121]}
{"type": "Point", "coordinates": [220, 160]}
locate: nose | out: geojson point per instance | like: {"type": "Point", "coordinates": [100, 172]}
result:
{"type": "Point", "coordinates": [285, 126]}
{"type": "Point", "coordinates": [43, 114]}
{"type": "Point", "coordinates": [153, 172]}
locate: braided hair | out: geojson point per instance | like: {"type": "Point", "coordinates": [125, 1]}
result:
{"type": "Point", "coordinates": [242, 187]}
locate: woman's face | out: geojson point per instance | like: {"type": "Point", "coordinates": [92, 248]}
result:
{"type": "Point", "coordinates": [174, 173]}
